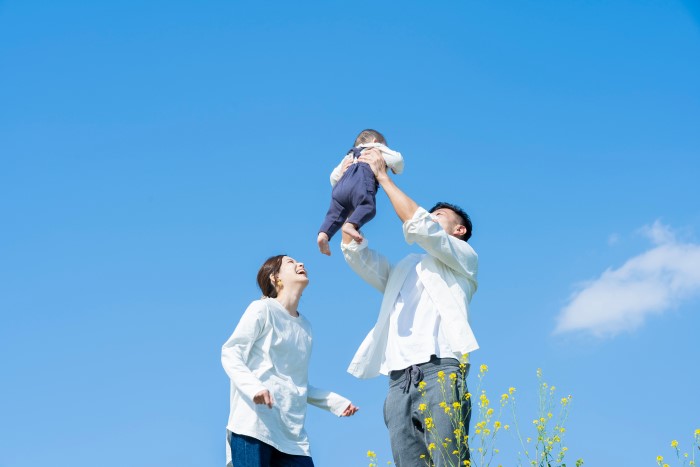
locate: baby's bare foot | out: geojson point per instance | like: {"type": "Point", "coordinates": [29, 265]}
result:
{"type": "Point", "coordinates": [322, 241]}
{"type": "Point", "coordinates": [350, 229]}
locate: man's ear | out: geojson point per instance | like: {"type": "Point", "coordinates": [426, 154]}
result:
{"type": "Point", "coordinates": [460, 231]}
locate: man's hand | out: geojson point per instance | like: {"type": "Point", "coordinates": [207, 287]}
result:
{"type": "Point", "coordinates": [373, 157]}
{"type": "Point", "coordinates": [404, 206]}
{"type": "Point", "coordinates": [263, 397]}
{"type": "Point", "coordinates": [347, 162]}
{"type": "Point", "coordinates": [350, 411]}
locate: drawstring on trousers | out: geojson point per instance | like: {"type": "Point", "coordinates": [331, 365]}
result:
{"type": "Point", "coordinates": [412, 374]}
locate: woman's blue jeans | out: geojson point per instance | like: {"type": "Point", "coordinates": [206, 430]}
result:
{"type": "Point", "coordinates": [250, 452]}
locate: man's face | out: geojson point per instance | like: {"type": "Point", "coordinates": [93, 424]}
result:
{"type": "Point", "coordinates": [449, 221]}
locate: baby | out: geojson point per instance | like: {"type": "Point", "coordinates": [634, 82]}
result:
{"type": "Point", "coordinates": [354, 190]}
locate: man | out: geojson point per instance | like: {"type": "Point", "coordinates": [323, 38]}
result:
{"type": "Point", "coordinates": [423, 325]}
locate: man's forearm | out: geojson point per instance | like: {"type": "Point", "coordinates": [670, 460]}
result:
{"type": "Point", "coordinates": [404, 206]}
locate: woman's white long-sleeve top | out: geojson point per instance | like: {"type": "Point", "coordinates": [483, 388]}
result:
{"type": "Point", "coordinates": [270, 349]}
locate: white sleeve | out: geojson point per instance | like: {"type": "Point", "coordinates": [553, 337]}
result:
{"type": "Point", "coordinates": [327, 400]}
{"type": "Point", "coordinates": [456, 254]}
{"type": "Point", "coordinates": [235, 351]}
{"type": "Point", "coordinates": [394, 160]}
{"type": "Point", "coordinates": [338, 171]}
{"type": "Point", "coordinates": [371, 266]}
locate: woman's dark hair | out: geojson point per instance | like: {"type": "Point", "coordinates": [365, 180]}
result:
{"type": "Point", "coordinates": [272, 266]}
{"type": "Point", "coordinates": [466, 221]}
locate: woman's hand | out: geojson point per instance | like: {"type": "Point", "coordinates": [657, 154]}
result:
{"type": "Point", "coordinates": [264, 397]}
{"type": "Point", "coordinates": [350, 411]}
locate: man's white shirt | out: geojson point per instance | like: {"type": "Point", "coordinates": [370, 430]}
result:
{"type": "Point", "coordinates": [447, 272]}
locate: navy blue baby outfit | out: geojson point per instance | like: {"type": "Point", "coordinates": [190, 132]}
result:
{"type": "Point", "coordinates": [353, 198]}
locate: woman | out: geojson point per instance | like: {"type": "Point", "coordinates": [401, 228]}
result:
{"type": "Point", "coordinates": [267, 360]}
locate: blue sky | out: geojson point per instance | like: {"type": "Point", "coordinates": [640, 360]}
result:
{"type": "Point", "coordinates": [154, 154]}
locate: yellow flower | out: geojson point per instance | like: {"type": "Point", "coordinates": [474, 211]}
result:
{"type": "Point", "coordinates": [659, 459]}
{"type": "Point", "coordinates": [504, 397]}
{"type": "Point", "coordinates": [483, 368]}
{"type": "Point", "coordinates": [422, 456]}
{"type": "Point", "coordinates": [453, 376]}
{"type": "Point", "coordinates": [487, 432]}
{"type": "Point", "coordinates": [441, 375]}
{"type": "Point", "coordinates": [429, 423]}
{"type": "Point", "coordinates": [564, 401]}
{"type": "Point", "coordinates": [455, 452]}
{"type": "Point", "coordinates": [467, 463]}
{"type": "Point", "coordinates": [422, 385]}
{"type": "Point", "coordinates": [674, 444]}
{"type": "Point", "coordinates": [506, 427]}
{"type": "Point", "coordinates": [511, 390]}
{"type": "Point", "coordinates": [697, 433]}
{"type": "Point", "coordinates": [371, 454]}
{"type": "Point", "coordinates": [422, 407]}
{"type": "Point", "coordinates": [549, 415]}
{"type": "Point", "coordinates": [431, 446]}
{"type": "Point", "coordinates": [458, 433]}
{"type": "Point", "coordinates": [529, 439]}
{"type": "Point", "coordinates": [443, 404]}
{"type": "Point", "coordinates": [456, 405]}
{"type": "Point", "coordinates": [489, 412]}
{"type": "Point", "coordinates": [666, 465]}
{"type": "Point", "coordinates": [552, 388]}
{"type": "Point", "coordinates": [497, 424]}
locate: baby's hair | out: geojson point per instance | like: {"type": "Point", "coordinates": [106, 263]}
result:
{"type": "Point", "coordinates": [369, 136]}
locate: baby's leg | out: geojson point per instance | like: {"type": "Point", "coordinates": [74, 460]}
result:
{"type": "Point", "coordinates": [322, 241]}
{"type": "Point", "coordinates": [351, 229]}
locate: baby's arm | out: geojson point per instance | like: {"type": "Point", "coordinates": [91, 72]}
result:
{"type": "Point", "coordinates": [393, 159]}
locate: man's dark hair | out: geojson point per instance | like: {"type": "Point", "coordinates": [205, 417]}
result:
{"type": "Point", "coordinates": [466, 221]}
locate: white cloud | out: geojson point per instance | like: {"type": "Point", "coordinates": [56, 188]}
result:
{"type": "Point", "coordinates": [648, 284]}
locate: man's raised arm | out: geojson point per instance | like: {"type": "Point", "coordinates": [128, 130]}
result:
{"type": "Point", "coordinates": [404, 206]}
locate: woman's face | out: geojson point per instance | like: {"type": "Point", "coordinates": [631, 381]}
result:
{"type": "Point", "coordinates": [292, 272]}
